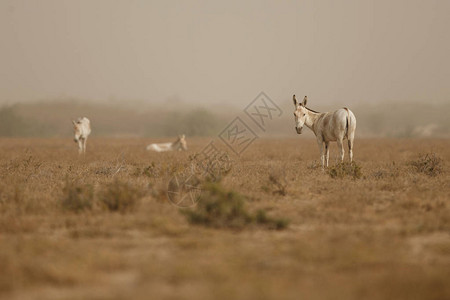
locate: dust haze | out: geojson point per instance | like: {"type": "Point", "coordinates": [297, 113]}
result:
{"type": "Point", "coordinates": [147, 62]}
{"type": "Point", "coordinates": [247, 211]}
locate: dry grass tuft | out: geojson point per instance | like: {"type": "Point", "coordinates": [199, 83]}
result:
{"type": "Point", "coordinates": [278, 182]}
{"type": "Point", "coordinates": [158, 170]}
{"type": "Point", "coordinates": [390, 171]}
{"type": "Point", "coordinates": [345, 169]}
{"type": "Point", "coordinates": [214, 167]}
{"type": "Point", "coordinates": [269, 222]}
{"type": "Point", "coordinates": [152, 171]}
{"type": "Point", "coordinates": [120, 196]}
{"type": "Point", "coordinates": [428, 163]}
{"type": "Point", "coordinates": [314, 165]}
{"type": "Point", "coordinates": [77, 197]}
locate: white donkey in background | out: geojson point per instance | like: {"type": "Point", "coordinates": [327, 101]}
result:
{"type": "Point", "coordinates": [179, 144]}
{"type": "Point", "coordinates": [82, 129]}
{"type": "Point", "coordinates": [328, 127]}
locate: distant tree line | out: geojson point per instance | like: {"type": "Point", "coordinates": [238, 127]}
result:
{"type": "Point", "coordinates": [13, 124]}
{"type": "Point", "coordinates": [53, 119]}
{"type": "Point", "coordinates": [24, 120]}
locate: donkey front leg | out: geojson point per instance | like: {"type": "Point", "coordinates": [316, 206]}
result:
{"type": "Point", "coordinates": [322, 153]}
{"type": "Point", "coordinates": [327, 152]}
{"type": "Point", "coordinates": [80, 146]}
{"type": "Point", "coordinates": [84, 145]}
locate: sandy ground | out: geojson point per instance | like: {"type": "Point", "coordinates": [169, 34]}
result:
{"type": "Point", "coordinates": [385, 235]}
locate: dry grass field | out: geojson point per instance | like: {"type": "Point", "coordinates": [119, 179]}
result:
{"type": "Point", "coordinates": [101, 227]}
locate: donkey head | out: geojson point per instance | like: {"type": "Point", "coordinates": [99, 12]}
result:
{"type": "Point", "coordinates": [183, 143]}
{"type": "Point", "coordinates": [77, 130]}
{"type": "Point", "coordinates": [300, 114]}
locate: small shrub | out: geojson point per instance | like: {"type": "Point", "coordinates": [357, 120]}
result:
{"type": "Point", "coordinates": [344, 169]}
{"type": "Point", "coordinates": [278, 182]}
{"type": "Point", "coordinates": [428, 163]}
{"type": "Point", "coordinates": [219, 208]}
{"type": "Point", "coordinates": [271, 223]}
{"type": "Point", "coordinates": [120, 196]}
{"type": "Point", "coordinates": [77, 197]}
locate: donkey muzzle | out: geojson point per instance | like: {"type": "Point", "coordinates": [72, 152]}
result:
{"type": "Point", "coordinates": [299, 129]}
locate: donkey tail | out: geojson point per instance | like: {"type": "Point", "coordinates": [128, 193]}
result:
{"type": "Point", "coordinates": [347, 122]}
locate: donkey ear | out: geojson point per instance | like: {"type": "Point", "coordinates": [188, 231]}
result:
{"type": "Point", "coordinates": [305, 100]}
{"type": "Point", "coordinates": [183, 136]}
{"type": "Point", "coordinates": [295, 100]}
{"type": "Point", "coordinates": [74, 122]}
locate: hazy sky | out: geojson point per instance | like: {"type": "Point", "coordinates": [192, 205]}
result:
{"type": "Point", "coordinates": [225, 51]}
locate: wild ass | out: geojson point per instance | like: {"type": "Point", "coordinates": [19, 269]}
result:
{"type": "Point", "coordinates": [82, 129]}
{"type": "Point", "coordinates": [179, 144]}
{"type": "Point", "coordinates": [328, 127]}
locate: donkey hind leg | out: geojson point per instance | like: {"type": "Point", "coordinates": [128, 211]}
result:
{"type": "Point", "coordinates": [350, 147]}
{"type": "Point", "coordinates": [341, 149]}
{"type": "Point", "coordinates": [327, 152]}
{"type": "Point", "coordinates": [84, 145]}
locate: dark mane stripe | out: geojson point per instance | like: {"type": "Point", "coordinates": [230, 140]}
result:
{"type": "Point", "coordinates": [312, 110]}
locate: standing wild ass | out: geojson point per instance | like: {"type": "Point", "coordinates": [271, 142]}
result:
{"type": "Point", "coordinates": [82, 129]}
{"type": "Point", "coordinates": [328, 127]}
{"type": "Point", "coordinates": [179, 144]}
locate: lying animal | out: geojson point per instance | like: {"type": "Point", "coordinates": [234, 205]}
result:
{"type": "Point", "coordinates": [179, 144]}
